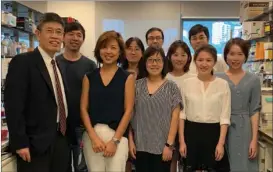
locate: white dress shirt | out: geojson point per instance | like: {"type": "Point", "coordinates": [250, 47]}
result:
{"type": "Point", "coordinates": [47, 59]}
{"type": "Point", "coordinates": [211, 105]}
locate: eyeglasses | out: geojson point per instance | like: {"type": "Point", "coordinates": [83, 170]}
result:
{"type": "Point", "coordinates": [151, 38]}
{"type": "Point", "coordinates": [201, 38]}
{"type": "Point", "coordinates": [52, 31]}
{"type": "Point", "coordinates": [151, 61]}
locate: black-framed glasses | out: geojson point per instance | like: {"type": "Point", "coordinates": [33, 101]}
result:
{"type": "Point", "coordinates": [151, 38]}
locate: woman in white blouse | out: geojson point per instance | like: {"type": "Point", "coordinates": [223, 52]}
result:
{"type": "Point", "coordinates": [206, 116]}
{"type": "Point", "coordinates": [179, 60]}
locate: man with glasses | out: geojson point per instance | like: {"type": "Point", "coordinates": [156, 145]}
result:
{"type": "Point", "coordinates": [199, 36]}
{"type": "Point", "coordinates": [35, 103]}
{"type": "Point", "coordinates": [155, 37]}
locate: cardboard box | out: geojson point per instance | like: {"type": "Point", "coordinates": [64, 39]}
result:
{"type": "Point", "coordinates": [268, 28]}
{"type": "Point", "coordinates": [268, 54]}
{"type": "Point", "coordinates": [253, 29]}
{"type": "Point", "coordinates": [253, 9]}
{"type": "Point", "coordinates": [242, 18]}
{"type": "Point", "coordinates": [259, 52]}
{"type": "Point", "coordinates": [268, 45]}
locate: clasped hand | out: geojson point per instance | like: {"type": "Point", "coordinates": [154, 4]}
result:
{"type": "Point", "coordinates": [108, 149]}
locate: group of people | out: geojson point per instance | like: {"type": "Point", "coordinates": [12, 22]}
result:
{"type": "Point", "coordinates": [139, 106]}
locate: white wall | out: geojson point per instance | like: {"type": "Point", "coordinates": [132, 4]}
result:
{"type": "Point", "coordinates": [135, 18]}
{"type": "Point", "coordinates": [84, 12]}
{"type": "Point", "coordinates": [215, 9]}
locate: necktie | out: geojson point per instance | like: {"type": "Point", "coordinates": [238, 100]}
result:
{"type": "Point", "coordinates": [62, 116]}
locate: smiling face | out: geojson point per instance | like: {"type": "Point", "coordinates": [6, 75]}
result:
{"type": "Point", "coordinates": [155, 39]}
{"type": "Point", "coordinates": [50, 37]}
{"type": "Point", "coordinates": [179, 59]}
{"type": "Point", "coordinates": [235, 57]}
{"type": "Point", "coordinates": [198, 40]}
{"type": "Point", "coordinates": [204, 63]}
{"type": "Point", "coordinates": [110, 52]}
{"type": "Point", "coordinates": [73, 40]}
{"type": "Point", "coordinates": [133, 53]}
{"type": "Point", "coordinates": [155, 65]}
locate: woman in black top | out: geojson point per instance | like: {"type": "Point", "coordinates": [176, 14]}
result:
{"type": "Point", "coordinates": [134, 49]}
{"type": "Point", "coordinates": [106, 106]}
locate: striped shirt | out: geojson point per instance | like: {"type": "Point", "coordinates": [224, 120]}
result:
{"type": "Point", "coordinates": [153, 114]}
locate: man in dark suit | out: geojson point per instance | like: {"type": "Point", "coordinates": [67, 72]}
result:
{"type": "Point", "coordinates": [35, 103]}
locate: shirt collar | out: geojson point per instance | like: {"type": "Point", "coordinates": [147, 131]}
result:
{"type": "Point", "coordinates": [45, 55]}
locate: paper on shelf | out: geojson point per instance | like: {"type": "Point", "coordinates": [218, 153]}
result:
{"type": "Point", "coordinates": [5, 65]}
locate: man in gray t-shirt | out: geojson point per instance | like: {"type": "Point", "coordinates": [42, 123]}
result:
{"type": "Point", "coordinates": [73, 66]}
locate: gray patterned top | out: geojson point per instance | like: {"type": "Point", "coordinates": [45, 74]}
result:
{"type": "Point", "coordinates": [152, 115]}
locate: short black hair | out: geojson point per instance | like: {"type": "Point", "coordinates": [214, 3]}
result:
{"type": "Point", "coordinates": [154, 29]}
{"type": "Point", "coordinates": [150, 51]}
{"type": "Point", "coordinates": [50, 17]}
{"type": "Point", "coordinates": [172, 50]}
{"type": "Point", "coordinates": [69, 27]}
{"type": "Point", "coordinates": [197, 29]}
{"type": "Point", "coordinates": [243, 44]}
{"type": "Point", "coordinates": [125, 63]}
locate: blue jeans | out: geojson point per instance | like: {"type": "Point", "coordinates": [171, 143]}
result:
{"type": "Point", "coordinates": [77, 152]}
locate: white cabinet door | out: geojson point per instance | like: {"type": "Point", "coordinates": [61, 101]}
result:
{"type": "Point", "coordinates": [265, 156]}
{"type": "Point", "coordinates": [10, 166]}
{"type": "Point", "coordinates": [261, 156]}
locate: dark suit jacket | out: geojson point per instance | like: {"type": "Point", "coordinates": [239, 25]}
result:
{"type": "Point", "coordinates": [30, 105]}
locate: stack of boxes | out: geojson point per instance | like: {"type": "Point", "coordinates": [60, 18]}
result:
{"type": "Point", "coordinates": [249, 9]}
{"type": "Point", "coordinates": [248, 12]}
{"type": "Point", "coordinates": [252, 16]}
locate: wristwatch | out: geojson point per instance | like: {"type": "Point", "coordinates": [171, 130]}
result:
{"type": "Point", "coordinates": [115, 140]}
{"type": "Point", "coordinates": [171, 146]}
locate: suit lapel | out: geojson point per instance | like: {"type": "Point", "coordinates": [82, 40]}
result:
{"type": "Point", "coordinates": [42, 67]}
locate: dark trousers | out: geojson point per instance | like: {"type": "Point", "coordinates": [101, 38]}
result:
{"type": "Point", "coordinates": [55, 159]}
{"type": "Point", "coordinates": [146, 162]}
{"type": "Point", "coordinates": [201, 140]}
{"type": "Point", "coordinates": [77, 152]}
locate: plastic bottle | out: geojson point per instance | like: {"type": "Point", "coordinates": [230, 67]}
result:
{"type": "Point", "coordinates": [13, 47]}
{"type": "Point", "coordinates": [5, 44]}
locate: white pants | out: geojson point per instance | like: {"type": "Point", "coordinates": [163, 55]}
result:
{"type": "Point", "coordinates": [96, 162]}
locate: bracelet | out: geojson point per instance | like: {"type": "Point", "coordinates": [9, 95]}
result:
{"type": "Point", "coordinates": [115, 140]}
{"type": "Point", "coordinates": [171, 146]}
